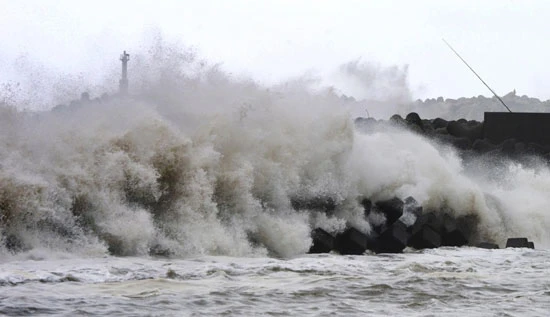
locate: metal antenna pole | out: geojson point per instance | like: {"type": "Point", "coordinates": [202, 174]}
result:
{"type": "Point", "coordinates": [473, 71]}
{"type": "Point", "coordinates": [123, 83]}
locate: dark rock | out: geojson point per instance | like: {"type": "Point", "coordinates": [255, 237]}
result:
{"type": "Point", "coordinates": [531, 245]}
{"type": "Point", "coordinates": [429, 220]}
{"type": "Point", "coordinates": [451, 235]}
{"type": "Point", "coordinates": [115, 244]}
{"type": "Point", "coordinates": [461, 143]}
{"type": "Point", "coordinates": [158, 250]}
{"type": "Point", "coordinates": [379, 228]}
{"type": "Point", "coordinates": [439, 123]}
{"type": "Point", "coordinates": [57, 227]}
{"type": "Point", "coordinates": [359, 120]}
{"type": "Point", "coordinates": [410, 201]}
{"type": "Point", "coordinates": [392, 208]}
{"type": "Point", "coordinates": [398, 120]}
{"type": "Point", "coordinates": [426, 232]}
{"type": "Point", "coordinates": [508, 147]}
{"type": "Point", "coordinates": [367, 205]}
{"type": "Point", "coordinates": [536, 149]}
{"type": "Point", "coordinates": [461, 129]}
{"type": "Point", "coordinates": [394, 239]}
{"type": "Point", "coordinates": [488, 245]}
{"type": "Point", "coordinates": [473, 123]}
{"type": "Point", "coordinates": [378, 225]}
{"type": "Point", "coordinates": [428, 128]}
{"type": "Point", "coordinates": [13, 243]}
{"type": "Point", "coordinates": [323, 242]}
{"type": "Point", "coordinates": [517, 243]}
{"type": "Point", "coordinates": [425, 238]}
{"type": "Point", "coordinates": [351, 241]}
{"type": "Point", "coordinates": [520, 148]}
{"type": "Point", "coordinates": [415, 128]}
{"type": "Point", "coordinates": [412, 206]}
{"type": "Point", "coordinates": [458, 142]}
{"type": "Point", "coordinates": [366, 124]}
{"type": "Point", "coordinates": [411, 211]}
{"type": "Point", "coordinates": [322, 203]}
{"type": "Point", "coordinates": [483, 146]}
{"type": "Point", "coordinates": [441, 131]}
{"type": "Point", "coordinates": [414, 119]}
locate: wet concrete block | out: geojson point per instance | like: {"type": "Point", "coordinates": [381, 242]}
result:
{"type": "Point", "coordinates": [413, 117]}
{"type": "Point", "coordinates": [351, 241]}
{"type": "Point", "coordinates": [483, 146]}
{"type": "Point", "coordinates": [461, 143]}
{"type": "Point", "coordinates": [456, 129]}
{"type": "Point", "coordinates": [415, 122]}
{"type": "Point", "coordinates": [323, 242]}
{"type": "Point", "coordinates": [394, 239]}
{"type": "Point", "coordinates": [428, 219]}
{"type": "Point", "coordinates": [412, 206]}
{"type": "Point", "coordinates": [158, 250]}
{"type": "Point", "coordinates": [392, 208]}
{"type": "Point", "coordinates": [508, 147]}
{"type": "Point", "coordinates": [398, 120]}
{"type": "Point", "coordinates": [487, 245]}
{"type": "Point", "coordinates": [438, 123]}
{"type": "Point", "coordinates": [367, 206]}
{"type": "Point", "coordinates": [470, 131]}
{"type": "Point", "coordinates": [451, 234]}
{"type": "Point", "coordinates": [454, 239]}
{"type": "Point", "coordinates": [517, 243]}
{"type": "Point", "coordinates": [537, 149]}
{"type": "Point", "coordinates": [323, 203]}
{"type": "Point", "coordinates": [425, 238]}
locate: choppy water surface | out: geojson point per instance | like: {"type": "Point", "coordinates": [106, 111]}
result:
{"type": "Point", "coordinates": [447, 281]}
{"type": "Point", "coordinates": [197, 163]}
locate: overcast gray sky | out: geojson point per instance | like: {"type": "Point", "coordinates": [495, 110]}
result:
{"type": "Point", "coordinates": [506, 41]}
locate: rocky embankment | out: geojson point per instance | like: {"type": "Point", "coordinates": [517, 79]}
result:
{"type": "Point", "coordinates": [406, 224]}
{"type": "Point", "coordinates": [466, 136]}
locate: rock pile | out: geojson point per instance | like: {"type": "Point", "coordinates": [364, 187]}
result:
{"type": "Point", "coordinates": [406, 223]}
{"type": "Point", "coordinates": [466, 136]}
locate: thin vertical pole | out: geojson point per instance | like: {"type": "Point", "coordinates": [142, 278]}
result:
{"type": "Point", "coordinates": [473, 71]}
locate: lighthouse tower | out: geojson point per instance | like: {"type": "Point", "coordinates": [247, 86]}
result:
{"type": "Point", "coordinates": [123, 83]}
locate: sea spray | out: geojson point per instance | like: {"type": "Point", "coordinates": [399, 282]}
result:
{"type": "Point", "coordinates": [207, 164]}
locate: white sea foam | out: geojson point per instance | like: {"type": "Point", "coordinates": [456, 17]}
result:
{"type": "Point", "coordinates": [206, 164]}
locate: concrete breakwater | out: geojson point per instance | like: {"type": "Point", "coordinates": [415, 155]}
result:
{"type": "Point", "coordinates": [96, 178]}
{"type": "Point", "coordinates": [508, 135]}
{"type": "Point", "coordinates": [404, 223]}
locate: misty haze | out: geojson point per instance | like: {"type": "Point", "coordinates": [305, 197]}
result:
{"type": "Point", "coordinates": [295, 158]}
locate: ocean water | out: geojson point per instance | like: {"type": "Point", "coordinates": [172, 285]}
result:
{"type": "Point", "coordinates": [177, 200]}
{"type": "Point", "coordinates": [442, 282]}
